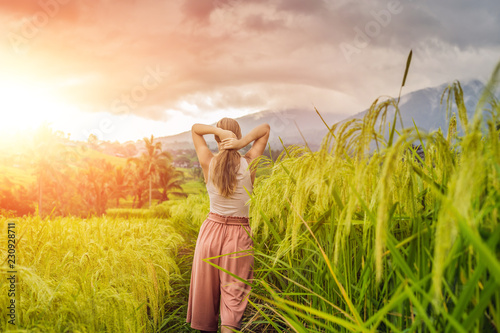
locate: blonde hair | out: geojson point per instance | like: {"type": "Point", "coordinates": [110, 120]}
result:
{"type": "Point", "coordinates": [227, 162]}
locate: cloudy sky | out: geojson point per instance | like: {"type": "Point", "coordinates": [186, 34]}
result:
{"type": "Point", "coordinates": [127, 69]}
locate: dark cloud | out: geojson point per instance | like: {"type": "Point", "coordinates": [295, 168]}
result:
{"type": "Point", "coordinates": [302, 7]}
{"type": "Point", "coordinates": [257, 23]}
{"type": "Point", "coordinates": [460, 23]}
{"type": "Point", "coordinates": [199, 10]}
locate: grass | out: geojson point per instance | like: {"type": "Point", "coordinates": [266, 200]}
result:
{"type": "Point", "coordinates": [194, 187]}
{"type": "Point", "coordinates": [353, 240]}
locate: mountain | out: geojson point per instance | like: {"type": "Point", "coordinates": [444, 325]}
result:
{"type": "Point", "coordinates": [283, 124]}
{"type": "Point", "coordinates": [425, 109]}
{"type": "Point", "coordinates": [422, 106]}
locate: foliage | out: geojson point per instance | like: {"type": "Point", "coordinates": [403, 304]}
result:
{"type": "Point", "coordinates": [348, 239]}
{"type": "Point", "coordinates": [71, 180]}
{"type": "Point", "coordinates": [16, 197]}
{"type": "Point", "coordinates": [169, 182]}
{"type": "Point", "coordinates": [148, 167]}
{"type": "Point", "coordinates": [95, 183]}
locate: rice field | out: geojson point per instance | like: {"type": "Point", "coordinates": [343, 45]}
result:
{"type": "Point", "coordinates": [92, 275]}
{"type": "Point", "coordinates": [125, 272]}
{"type": "Point", "coordinates": [353, 239]}
{"type": "Point", "coordinates": [350, 238]}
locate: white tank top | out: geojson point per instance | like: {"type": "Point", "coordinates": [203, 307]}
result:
{"type": "Point", "coordinates": [237, 204]}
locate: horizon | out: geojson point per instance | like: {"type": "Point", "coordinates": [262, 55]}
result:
{"type": "Point", "coordinates": [20, 133]}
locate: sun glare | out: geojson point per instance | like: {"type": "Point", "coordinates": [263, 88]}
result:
{"type": "Point", "coordinates": [25, 106]}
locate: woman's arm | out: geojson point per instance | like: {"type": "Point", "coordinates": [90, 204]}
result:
{"type": "Point", "coordinates": [259, 134]}
{"type": "Point", "coordinates": [204, 154]}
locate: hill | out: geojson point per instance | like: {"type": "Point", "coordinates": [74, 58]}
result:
{"type": "Point", "coordinates": [425, 109]}
{"type": "Point", "coordinates": [284, 124]}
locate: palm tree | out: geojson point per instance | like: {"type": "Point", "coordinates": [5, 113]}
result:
{"type": "Point", "coordinates": [139, 178]}
{"type": "Point", "coordinates": [95, 184]}
{"type": "Point", "coordinates": [196, 173]}
{"type": "Point", "coordinates": [120, 184]}
{"type": "Point", "coordinates": [169, 182]}
{"type": "Point", "coordinates": [151, 160]}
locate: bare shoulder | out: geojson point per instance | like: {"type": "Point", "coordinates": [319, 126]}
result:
{"type": "Point", "coordinates": [206, 167]}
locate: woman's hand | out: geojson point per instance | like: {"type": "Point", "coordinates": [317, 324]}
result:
{"type": "Point", "coordinates": [231, 143]}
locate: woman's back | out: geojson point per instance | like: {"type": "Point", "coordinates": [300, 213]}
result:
{"type": "Point", "coordinates": [215, 293]}
{"type": "Point", "coordinates": [237, 204]}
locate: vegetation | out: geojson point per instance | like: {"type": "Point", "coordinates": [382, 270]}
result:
{"type": "Point", "coordinates": [92, 275]}
{"type": "Point", "coordinates": [69, 179]}
{"type": "Point", "coordinates": [118, 273]}
{"type": "Point", "coordinates": [148, 166]}
{"type": "Point", "coordinates": [353, 240]}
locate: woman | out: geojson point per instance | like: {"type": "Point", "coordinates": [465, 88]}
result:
{"type": "Point", "coordinates": [229, 182]}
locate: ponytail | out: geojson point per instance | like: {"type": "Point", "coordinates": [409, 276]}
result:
{"type": "Point", "coordinates": [227, 164]}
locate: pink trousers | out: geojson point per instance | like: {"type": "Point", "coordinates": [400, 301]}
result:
{"type": "Point", "coordinates": [213, 291]}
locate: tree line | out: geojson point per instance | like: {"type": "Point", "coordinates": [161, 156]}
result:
{"type": "Point", "coordinates": [69, 180]}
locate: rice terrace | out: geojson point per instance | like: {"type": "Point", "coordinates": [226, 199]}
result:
{"type": "Point", "coordinates": [386, 220]}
